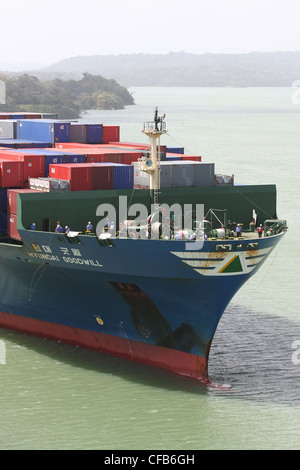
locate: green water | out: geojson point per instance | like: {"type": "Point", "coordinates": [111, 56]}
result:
{"type": "Point", "coordinates": [55, 396]}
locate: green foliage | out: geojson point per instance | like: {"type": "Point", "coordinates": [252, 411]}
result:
{"type": "Point", "coordinates": [186, 69]}
{"type": "Point", "coordinates": [108, 101]}
{"type": "Point", "coordinates": [66, 98]}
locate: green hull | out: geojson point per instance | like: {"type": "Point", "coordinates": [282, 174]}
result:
{"type": "Point", "coordinates": [76, 208]}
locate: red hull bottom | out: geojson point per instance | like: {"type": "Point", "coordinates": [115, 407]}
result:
{"type": "Point", "coordinates": [178, 362]}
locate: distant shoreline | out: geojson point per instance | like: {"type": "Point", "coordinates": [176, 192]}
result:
{"type": "Point", "coordinates": [255, 69]}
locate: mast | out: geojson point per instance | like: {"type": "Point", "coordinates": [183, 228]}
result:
{"type": "Point", "coordinates": [151, 165]}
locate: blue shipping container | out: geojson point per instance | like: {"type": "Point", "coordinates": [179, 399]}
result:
{"type": "Point", "coordinates": [3, 199]}
{"type": "Point", "coordinates": [74, 158]}
{"type": "Point", "coordinates": [123, 175]}
{"type": "Point", "coordinates": [21, 144]}
{"type": "Point", "coordinates": [172, 157]}
{"type": "Point", "coordinates": [94, 133]}
{"type": "Point", "coordinates": [38, 144]}
{"type": "Point", "coordinates": [3, 223]}
{"type": "Point", "coordinates": [175, 150]}
{"type": "Point", "coordinates": [54, 158]}
{"type": "Point", "coordinates": [18, 116]}
{"type": "Point", "coordinates": [44, 130]}
{"type": "Point", "coordinates": [51, 156]}
{"type": "Point", "coordinates": [86, 133]}
{"type": "Point", "coordinates": [41, 151]}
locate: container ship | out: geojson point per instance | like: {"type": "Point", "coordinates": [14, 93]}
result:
{"type": "Point", "coordinates": [130, 249]}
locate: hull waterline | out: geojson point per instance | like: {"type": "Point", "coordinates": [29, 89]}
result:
{"type": "Point", "coordinates": [102, 298]}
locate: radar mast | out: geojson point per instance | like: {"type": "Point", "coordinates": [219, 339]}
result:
{"type": "Point", "coordinates": [151, 165]}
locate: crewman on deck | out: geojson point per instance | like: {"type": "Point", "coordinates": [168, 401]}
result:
{"type": "Point", "coordinates": [107, 225]}
{"type": "Point", "coordinates": [260, 231]}
{"type": "Point", "coordinates": [32, 226]}
{"type": "Point", "coordinates": [58, 228]}
{"type": "Point", "coordinates": [89, 228]}
{"type": "Point", "coordinates": [112, 229]}
{"type": "Point", "coordinates": [238, 230]}
{"type": "Point", "coordinates": [67, 230]}
{"type": "Point", "coordinates": [179, 235]}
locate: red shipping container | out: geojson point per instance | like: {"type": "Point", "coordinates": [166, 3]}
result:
{"type": "Point", "coordinates": [12, 221]}
{"type": "Point", "coordinates": [11, 173]}
{"type": "Point", "coordinates": [131, 157]}
{"type": "Point", "coordinates": [132, 145]}
{"type": "Point", "coordinates": [34, 164]}
{"type": "Point", "coordinates": [103, 176]}
{"type": "Point", "coordinates": [12, 198]}
{"type": "Point", "coordinates": [103, 149]}
{"type": "Point", "coordinates": [72, 145]}
{"type": "Point", "coordinates": [111, 134]}
{"type": "Point", "coordinates": [79, 175]}
{"type": "Point", "coordinates": [91, 153]}
{"type": "Point", "coordinates": [95, 158]}
{"type": "Point", "coordinates": [191, 157]}
{"type": "Point", "coordinates": [33, 116]}
{"type": "Point", "coordinates": [126, 158]}
{"type": "Point", "coordinates": [114, 157]}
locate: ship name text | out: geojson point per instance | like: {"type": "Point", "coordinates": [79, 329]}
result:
{"type": "Point", "coordinates": [71, 256]}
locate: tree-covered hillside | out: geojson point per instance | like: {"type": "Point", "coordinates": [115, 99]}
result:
{"type": "Point", "coordinates": [184, 69]}
{"type": "Point", "coordinates": [66, 98]}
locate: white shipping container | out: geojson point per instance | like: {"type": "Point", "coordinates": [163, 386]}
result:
{"type": "Point", "coordinates": [49, 184]}
{"type": "Point", "coordinates": [8, 129]}
{"type": "Point", "coordinates": [204, 174]}
{"type": "Point", "coordinates": [178, 174]}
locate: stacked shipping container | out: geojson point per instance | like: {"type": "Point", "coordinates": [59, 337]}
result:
{"type": "Point", "coordinates": [179, 150]}
{"type": "Point", "coordinates": [44, 130]}
{"type": "Point", "coordinates": [25, 115]}
{"type": "Point", "coordinates": [49, 185]}
{"type": "Point", "coordinates": [100, 154]}
{"type": "Point", "coordinates": [12, 212]}
{"type": "Point", "coordinates": [22, 144]}
{"type": "Point", "coordinates": [110, 134]}
{"type": "Point", "coordinates": [122, 175]}
{"type": "Point", "coordinates": [86, 177]}
{"type": "Point", "coordinates": [86, 133]}
{"type": "Point", "coordinates": [178, 174]}
{"type": "Point", "coordinates": [79, 175]}
{"type": "Point", "coordinates": [11, 173]}
{"type": "Point", "coordinates": [178, 157]}
{"type": "Point", "coordinates": [51, 155]}
{"type": "Point", "coordinates": [8, 128]}
{"type": "Point", "coordinates": [33, 165]}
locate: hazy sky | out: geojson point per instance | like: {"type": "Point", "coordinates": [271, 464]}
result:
{"type": "Point", "coordinates": [36, 31]}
